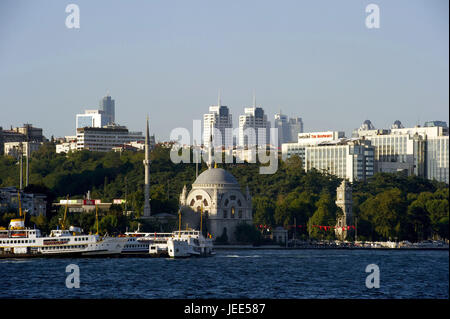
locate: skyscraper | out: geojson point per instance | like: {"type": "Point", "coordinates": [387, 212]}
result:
{"type": "Point", "coordinates": [288, 128]}
{"type": "Point", "coordinates": [254, 127]}
{"type": "Point", "coordinates": [219, 119]}
{"type": "Point", "coordinates": [107, 105]}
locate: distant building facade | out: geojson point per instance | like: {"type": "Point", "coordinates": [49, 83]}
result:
{"type": "Point", "coordinates": [331, 152]}
{"type": "Point", "coordinates": [288, 128]}
{"type": "Point", "coordinates": [91, 118]}
{"type": "Point", "coordinates": [108, 106]}
{"type": "Point", "coordinates": [32, 204]}
{"type": "Point", "coordinates": [26, 133]}
{"type": "Point", "coordinates": [104, 139]}
{"type": "Point", "coordinates": [16, 148]}
{"type": "Point", "coordinates": [420, 151]}
{"type": "Point", "coordinates": [219, 119]}
{"type": "Point", "coordinates": [254, 128]}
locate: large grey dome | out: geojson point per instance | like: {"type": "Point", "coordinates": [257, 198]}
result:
{"type": "Point", "coordinates": [215, 176]}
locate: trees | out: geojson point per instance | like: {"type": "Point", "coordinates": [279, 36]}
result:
{"type": "Point", "coordinates": [387, 205]}
{"type": "Point", "coordinates": [246, 233]}
{"type": "Point", "coordinates": [324, 215]}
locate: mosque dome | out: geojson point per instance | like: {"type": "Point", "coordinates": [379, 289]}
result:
{"type": "Point", "coordinates": [216, 176]}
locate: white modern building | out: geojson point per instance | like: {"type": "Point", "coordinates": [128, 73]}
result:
{"type": "Point", "coordinates": [66, 147]}
{"type": "Point", "coordinates": [254, 128]}
{"type": "Point", "coordinates": [437, 159]}
{"type": "Point", "coordinates": [350, 159]}
{"type": "Point", "coordinates": [218, 123]}
{"type": "Point", "coordinates": [331, 152]}
{"type": "Point", "coordinates": [105, 138]}
{"type": "Point", "coordinates": [308, 139]}
{"type": "Point", "coordinates": [420, 151]}
{"type": "Point", "coordinates": [91, 118]}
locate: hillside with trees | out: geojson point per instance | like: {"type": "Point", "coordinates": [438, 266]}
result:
{"type": "Point", "coordinates": [388, 206]}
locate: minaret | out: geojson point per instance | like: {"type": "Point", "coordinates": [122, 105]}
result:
{"type": "Point", "coordinates": [210, 147]}
{"type": "Point", "coordinates": [147, 211]}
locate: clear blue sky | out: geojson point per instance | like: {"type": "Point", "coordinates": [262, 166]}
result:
{"type": "Point", "coordinates": [313, 59]}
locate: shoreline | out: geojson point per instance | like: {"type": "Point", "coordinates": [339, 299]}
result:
{"type": "Point", "coordinates": [271, 247]}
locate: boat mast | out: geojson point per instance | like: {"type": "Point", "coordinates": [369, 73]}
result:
{"type": "Point", "coordinates": [65, 213]}
{"type": "Point", "coordinates": [96, 217]}
{"type": "Point", "coordinates": [179, 222]}
{"type": "Point", "coordinates": [201, 214]}
{"type": "Point", "coordinates": [20, 206]}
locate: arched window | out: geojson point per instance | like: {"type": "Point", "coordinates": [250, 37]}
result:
{"type": "Point", "coordinates": [232, 212]}
{"type": "Point", "coordinates": [240, 213]}
{"type": "Point", "coordinates": [225, 213]}
{"type": "Point", "coordinates": [192, 202]}
{"type": "Point", "coordinates": [205, 202]}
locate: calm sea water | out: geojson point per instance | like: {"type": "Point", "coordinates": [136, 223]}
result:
{"type": "Point", "coordinates": [235, 274]}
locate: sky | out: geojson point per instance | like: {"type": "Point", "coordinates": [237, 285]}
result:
{"type": "Point", "coordinates": [168, 59]}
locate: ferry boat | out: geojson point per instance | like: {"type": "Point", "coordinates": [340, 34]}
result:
{"type": "Point", "coordinates": [189, 243]}
{"type": "Point", "coordinates": [139, 243]}
{"type": "Point", "coordinates": [19, 241]}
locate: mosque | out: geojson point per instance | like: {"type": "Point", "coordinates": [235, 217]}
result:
{"type": "Point", "coordinates": [219, 195]}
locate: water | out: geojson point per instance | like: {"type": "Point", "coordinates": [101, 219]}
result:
{"type": "Point", "coordinates": [235, 274]}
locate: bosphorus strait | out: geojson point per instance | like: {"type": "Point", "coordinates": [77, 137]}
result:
{"type": "Point", "coordinates": [273, 274]}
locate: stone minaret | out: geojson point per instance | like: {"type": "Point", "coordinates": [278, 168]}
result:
{"type": "Point", "coordinates": [147, 211]}
{"type": "Point", "coordinates": [344, 200]}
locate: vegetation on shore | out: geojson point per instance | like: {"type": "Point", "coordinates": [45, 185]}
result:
{"type": "Point", "coordinates": [387, 206]}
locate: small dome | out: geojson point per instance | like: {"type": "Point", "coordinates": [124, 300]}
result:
{"type": "Point", "coordinates": [215, 176]}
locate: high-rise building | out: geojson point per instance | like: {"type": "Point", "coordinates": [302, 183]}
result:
{"type": "Point", "coordinates": [288, 128]}
{"type": "Point", "coordinates": [437, 159]}
{"type": "Point", "coordinates": [254, 128]}
{"type": "Point", "coordinates": [91, 118]}
{"type": "Point", "coordinates": [107, 105]}
{"type": "Point", "coordinates": [219, 120]}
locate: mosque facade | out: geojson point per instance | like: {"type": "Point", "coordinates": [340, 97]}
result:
{"type": "Point", "coordinates": [217, 194]}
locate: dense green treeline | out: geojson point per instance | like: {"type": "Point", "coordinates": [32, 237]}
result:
{"type": "Point", "coordinates": [388, 206]}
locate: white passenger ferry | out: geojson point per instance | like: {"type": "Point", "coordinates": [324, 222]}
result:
{"type": "Point", "coordinates": [189, 243]}
{"type": "Point", "coordinates": [19, 241]}
{"type": "Point", "coordinates": [139, 242]}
